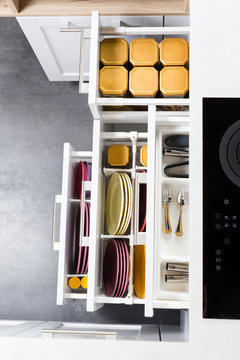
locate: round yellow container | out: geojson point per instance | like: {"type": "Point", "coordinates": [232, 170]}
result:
{"type": "Point", "coordinates": [74, 283]}
{"type": "Point", "coordinates": [143, 81]}
{"type": "Point", "coordinates": [84, 282]}
{"type": "Point", "coordinates": [174, 81]}
{"type": "Point", "coordinates": [113, 80]}
{"type": "Point", "coordinates": [144, 52]}
{"type": "Point", "coordinates": [114, 51]}
{"type": "Point", "coordinates": [174, 51]}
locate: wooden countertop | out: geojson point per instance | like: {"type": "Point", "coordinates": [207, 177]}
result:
{"type": "Point", "coordinates": [85, 7]}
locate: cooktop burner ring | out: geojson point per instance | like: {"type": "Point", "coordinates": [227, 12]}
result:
{"type": "Point", "coordinates": [229, 153]}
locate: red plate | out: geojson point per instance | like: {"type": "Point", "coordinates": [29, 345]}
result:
{"type": "Point", "coordinates": [80, 177]}
{"type": "Point", "coordinates": [124, 268]}
{"type": "Point", "coordinates": [127, 267]}
{"type": "Point", "coordinates": [111, 268]}
{"type": "Point", "coordinates": [120, 276]}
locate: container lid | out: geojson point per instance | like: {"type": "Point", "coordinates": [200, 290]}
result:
{"type": "Point", "coordinates": [174, 51]}
{"type": "Point", "coordinates": [84, 282]}
{"type": "Point", "coordinates": [113, 80]}
{"type": "Point", "coordinates": [118, 155]}
{"type": "Point", "coordinates": [114, 51]}
{"type": "Point", "coordinates": [74, 282]}
{"type": "Point", "coordinates": [143, 81]}
{"type": "Point", "coordinates": [174, 80]}
{"type": "Point", "coordinates": [144, 52]}
{"type": "Point", "coordinates": [143, 155]}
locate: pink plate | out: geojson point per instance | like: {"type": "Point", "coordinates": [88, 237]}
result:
{"type": "Point", "coordinates": [80, 177]}
{"type": "Point", "coordinates": [111, 268]}
{"type": "Point", "coordinates": [125, 281]}
{"type": "Point", "coordinates": [124, 268]}
{"type": "Point", "coordinates": [85, 247]}
{"type": "Point", "coordinates": [77, 243]}
{"type": "Point", "coordinates": [120, 278]}
{"type": "Point", "coordinates": [87, 234]}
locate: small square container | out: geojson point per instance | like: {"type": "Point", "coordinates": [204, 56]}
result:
{"type": "Point", "coordinates": [114, 51]}
{"type": "Point", "coordinates": [143, 81]}
{"type": "Point", "coordinates": [144, 52]}
{"type": "Point", "coordinates": [118, 155]}
{"type": "Point", "coordinates": [174, 51]}
{"type": "Point", "coordinates": [174, 81]}
{"type": "Point", "coordinates": [143, 155]}
{"type": "Point", "coordinates": [113, 80]}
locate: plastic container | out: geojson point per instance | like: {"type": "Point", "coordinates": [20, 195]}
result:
{"type": "Point", "coordinates": [118, 155]}
{"type": "Point", "coordinates": [143, 81]}
{"type": "Point", "coordinates": [174, 81]}
{"type": "Point", "coordinates": [74, 283]}
{"type": "Point", "coordinates": [143, 155]}
{"type": "Point", "coordinates": [174, 51]}
{"type": "Point", "coordinates": [144, 52]}
{"type": "Point", "coordinates": [114, 51]}
{"type": "Point", "coordinates": [113, 80]}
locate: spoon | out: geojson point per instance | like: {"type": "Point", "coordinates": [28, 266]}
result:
{"type": "Point", "coordinates": [166, 226]}
{"type": "Point", "coordinates": [181, 202]}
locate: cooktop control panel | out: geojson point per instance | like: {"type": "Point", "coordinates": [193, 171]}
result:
{"type": "Point", "coordinates": [221, 207]}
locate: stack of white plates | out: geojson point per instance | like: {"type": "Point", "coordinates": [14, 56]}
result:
{"type": "Point", "coordinates": [119, 203]}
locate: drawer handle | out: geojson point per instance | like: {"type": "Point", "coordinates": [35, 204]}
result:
{"type": "Point", "coordinates": [107, 334]}
{"type": "Point", "coordinates": [57, 200]}
{"type": "Point", "coordinates": [83, 87]}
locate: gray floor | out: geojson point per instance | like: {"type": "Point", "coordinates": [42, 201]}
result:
{"type": "Point", "coordinates": [36, 118]}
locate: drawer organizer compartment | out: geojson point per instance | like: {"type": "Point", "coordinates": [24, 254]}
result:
{"type": "Point", "coordinates": [97, 102]}
{"type": "Point", "coordinates": [171, 262]}
{"type": "Point", "coordinates": [75, 203]}
{"type": "Point", "coordinates": [132, 236]}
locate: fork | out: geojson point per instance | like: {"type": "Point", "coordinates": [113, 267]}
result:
{"type": "Point", "coordinates": [166, 226]}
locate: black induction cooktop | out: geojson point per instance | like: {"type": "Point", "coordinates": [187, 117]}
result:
{"type": "Point", "coordinates": [221, 208]}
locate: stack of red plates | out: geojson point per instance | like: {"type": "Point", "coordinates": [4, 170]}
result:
{"type": "Point", "coordinates": [116, 267]}
{"type": "Point", "coordinates": [142, 207]}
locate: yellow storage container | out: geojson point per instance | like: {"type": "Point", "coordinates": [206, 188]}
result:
{"type": "Point", "coordinates": [143, 81]}
{"type": "Point", "coordinates": [114, 51]}
{"type": "Point", "coordinates": [144, 52]}
{"type": "Point", "coordinates": [174, 51]}
{"type": "Point", "coordinates": [174, 81]}
{"type": "Point", "coordinates": [113, 80]}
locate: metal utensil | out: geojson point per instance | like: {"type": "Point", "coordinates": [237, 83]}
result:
{"type": "Point", "coordinates": [166, 226]}
{"type": "Point", "coordinates": [175, 152]}
{"type": "Point", "coordinates": [181, 202]}
{"type": "Point", "coordinates": [176, 278]}
{"type": "Point", "coordinates": [180, 267]}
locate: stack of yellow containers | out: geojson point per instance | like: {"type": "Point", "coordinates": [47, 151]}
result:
{"type": "Point", "coordinates": [174, 77]}
{"type": "Point", "coordinates": [113, 77]}
{"type": "Point", "coordinates": [143, 78]}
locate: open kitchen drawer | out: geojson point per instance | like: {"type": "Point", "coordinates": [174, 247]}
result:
{"type": "Point", "coordinates": [161, 248]}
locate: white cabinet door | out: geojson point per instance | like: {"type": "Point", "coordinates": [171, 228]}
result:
{"type": "Point", "coordinates": [58, 52]}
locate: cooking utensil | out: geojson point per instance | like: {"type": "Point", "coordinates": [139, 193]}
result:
{"type": "Point", "coordinates": [166, 226]}
{"type": "Point", "coordinates": [176, 278]}
{"type": "Point", "coordinates": [177, 267]}
{"type": "Point", "coordinates": [181, 170]}
{"type": "Point", "coordinates": [177, 140]}
{"type": "Point", "coordinates": [175, 152]}
{"type": "Point", "coordinates": [181, 202]}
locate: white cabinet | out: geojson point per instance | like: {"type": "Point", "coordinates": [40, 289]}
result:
{"type": "Point", "coordinates": [59, 54]}
{"type": "Point", "coordinates": [57, 51]}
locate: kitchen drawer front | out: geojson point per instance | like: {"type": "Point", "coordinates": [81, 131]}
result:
{"type": "Point", "coordinates": [96, 101]}
{"type": "Point", "coordinates": [69, 206]}
{"type": "Point", "coordinates": [58, 50]}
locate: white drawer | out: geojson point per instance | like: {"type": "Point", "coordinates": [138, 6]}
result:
{"type": "Point", "coordinates": [67, 224]}
{"type": "Point", "coordinates": [98, 33]}
{"type": "Point", "coordinates": [160, 248]}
